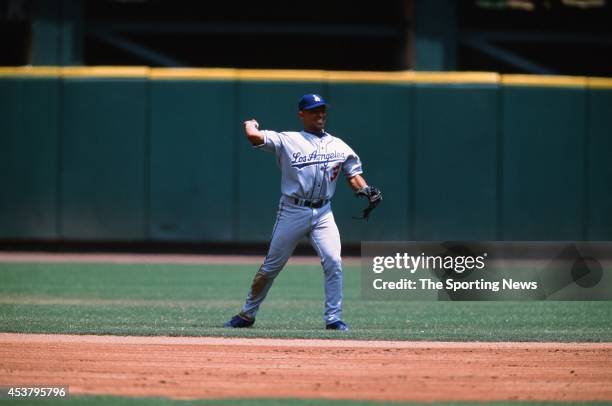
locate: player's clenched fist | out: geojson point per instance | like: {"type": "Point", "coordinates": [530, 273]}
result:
{"type": "Point", "coordinates": [251, 122]}
{"type": "Point", "coordinates": [251, 129]}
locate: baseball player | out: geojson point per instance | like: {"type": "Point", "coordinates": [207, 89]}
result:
{"type": "Point", "coordinates": [310, 161]}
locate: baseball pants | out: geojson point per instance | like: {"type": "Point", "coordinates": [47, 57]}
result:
{"type": "Point", "coordinates": [294, 222]}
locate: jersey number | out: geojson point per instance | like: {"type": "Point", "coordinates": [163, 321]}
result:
{"type": "Point", "coordinates": [335, 171]}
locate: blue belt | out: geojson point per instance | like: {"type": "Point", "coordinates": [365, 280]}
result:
{"type": "Point", "coordinates": [315, 204]}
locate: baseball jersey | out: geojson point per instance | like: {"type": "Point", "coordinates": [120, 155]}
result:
{"type": "Point", "coordinates": [309, 164]}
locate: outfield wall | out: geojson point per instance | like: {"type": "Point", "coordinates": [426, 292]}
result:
{"type": "Point", "coordinates": [139, 154]}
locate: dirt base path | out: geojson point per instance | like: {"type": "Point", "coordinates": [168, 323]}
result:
{"type": "Point", "coordinates": [334, 369]}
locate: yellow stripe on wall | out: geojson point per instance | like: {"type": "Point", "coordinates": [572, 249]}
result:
{"type": "Point", "coordinates": [31, 71]}
{"type": "Point", "coordinates": [284, 75]}
{"type": "Point", "coordinates": [281, 75]}
{"type": "Point", "coordinates": [106, 71]}
{"type": "Point", "coordinates": [544, 80]}
{"type": "Point", "coordinates": [369, 77]}
{"type": "Point", "coordinates": [193, 74]}
{"type": "Point", "coordinates": [599, 83]}
{"type": "Point", "coordinates": [457, 77]}
{"type": "Point", "coordinates": [77, 71]}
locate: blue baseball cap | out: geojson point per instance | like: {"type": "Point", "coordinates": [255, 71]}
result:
{"type": "Point", "coordinates": [311, 101]}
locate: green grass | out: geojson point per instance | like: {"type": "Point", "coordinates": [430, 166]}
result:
{"type": "Point", "coordinates": [195, 300]}
{"type": "Point", "coordinates": [123, 401]}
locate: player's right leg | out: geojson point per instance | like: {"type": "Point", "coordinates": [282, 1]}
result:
{"type": "Point", "coordinates": [325, 239]}
{"type": "Point", "coordinates": [292, 223]}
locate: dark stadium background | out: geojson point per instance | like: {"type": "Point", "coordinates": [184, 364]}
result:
{"type": "Point", "coordinates": [570, 37]}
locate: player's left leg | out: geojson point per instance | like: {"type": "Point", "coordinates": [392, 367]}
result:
{"type": "Point", "coordinates": [292, 224]}
{"type": "Point", "coordinates": [325, 238]}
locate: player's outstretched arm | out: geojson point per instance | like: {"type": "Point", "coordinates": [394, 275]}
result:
{"type": "Point", "coordinates": [361, 188]}
{"type": "Point", "coordinates": [357, 183]}
{"type": "Point", "coordinates": [251, 129]}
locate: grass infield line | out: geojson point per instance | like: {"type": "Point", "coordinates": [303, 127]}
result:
{"type": "Point", "coordinates": [128, 258]}
{"type": "Point", "coordinates": [125, 401]}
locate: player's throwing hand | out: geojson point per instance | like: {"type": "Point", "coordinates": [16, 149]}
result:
{"type": "Point", "coordinates": [252, 122]}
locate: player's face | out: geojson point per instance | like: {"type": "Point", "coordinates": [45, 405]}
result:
{"type": "Point", "coordinates": [314, 119]}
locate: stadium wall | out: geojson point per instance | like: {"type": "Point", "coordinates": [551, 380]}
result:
{"type": "Point", "coordinates": [145, 154]}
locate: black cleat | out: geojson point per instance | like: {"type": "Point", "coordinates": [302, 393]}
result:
{"type": "Point", "coordinates": [337, 325]}
{"type": "Point", "coordinates": [239, 321]}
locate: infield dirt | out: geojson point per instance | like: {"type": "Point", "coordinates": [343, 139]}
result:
{"type": "Point", "coordinates": [206, 368]}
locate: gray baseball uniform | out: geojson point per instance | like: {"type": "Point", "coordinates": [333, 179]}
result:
{"type": "Point", "coordinates": [310, 166]}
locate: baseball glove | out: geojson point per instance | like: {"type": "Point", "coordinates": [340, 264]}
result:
{"type": "Point", "coordinates": [374, 197]}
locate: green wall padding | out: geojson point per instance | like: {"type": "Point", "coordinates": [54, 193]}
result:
{"type": "Point", "coordinates": [455, 171]}
{"type": "Point", "coordinates": [543, 163]}
{"type": "Point", "coordinates": [193, 139]}
{"type": "Point", "coordinates": [104, 177]}
{"type": "Point", "coordinates": [29, 140]}
{"type": "Point", "coordinates": [141, 159]}
{"type": "Point", "coordinates": [376, 121]}
{"type": "Point", "coordinates": [599, 175]}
